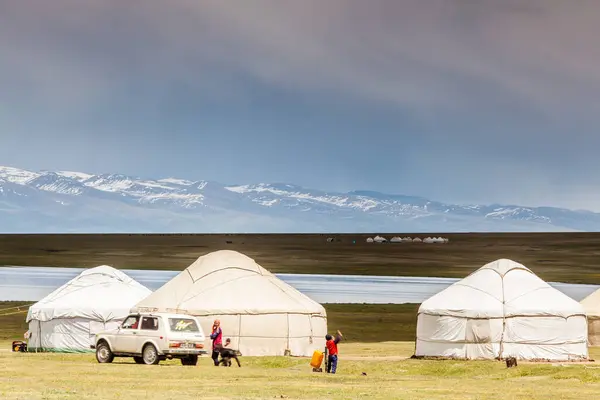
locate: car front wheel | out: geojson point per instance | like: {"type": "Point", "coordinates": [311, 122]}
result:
{"type": "Point", "coordinates": [103, 353]}
{"type": "Point", "coordinates": [150, 355]}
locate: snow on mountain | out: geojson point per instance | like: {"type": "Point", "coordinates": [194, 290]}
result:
{"type": "Point", "coordinates": [69, 201]}
{"type": "Point", "coordinates": [79, 176]}
{"type": "Point", "coordinates": [57, 183]}
{"type": "Point", "coordinates": [16, 175]}
{"type": "Point", "coordinates": [517, 213]}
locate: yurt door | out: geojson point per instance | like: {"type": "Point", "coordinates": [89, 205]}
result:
{"type": "Point", "coordinates": [479, 339]}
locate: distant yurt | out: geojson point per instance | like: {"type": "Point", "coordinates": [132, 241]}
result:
{"type": "Point", "coordinates": [67, 319]}
{"type": "Point", "coordinates": [417, 240]}
{"type": "Point", "coordinates": [261, 314]}
{"type": "Point", "coordinates": [396, 239]}
{"type": "Point", "coordinates": [428, 240]}
{"type": "Point", "coordinates": [369, 240]}
{"type": "Point", "coordinates": [407, 239]}
{"type": "Point", "coordinates": [591, 305]}
{"type": "Point", "coordinates": [502, 310]}
{"type": "Point", "coordinates": [379, 239]}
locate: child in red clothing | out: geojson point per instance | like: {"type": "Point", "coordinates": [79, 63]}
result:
{"type": "Point", "coordinates": [332, 351]}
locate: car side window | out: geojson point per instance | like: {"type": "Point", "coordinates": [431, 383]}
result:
{"type": "Point", "coordinates": [150, 323]}
{"type": "Point", "coordinates": [131, 322]}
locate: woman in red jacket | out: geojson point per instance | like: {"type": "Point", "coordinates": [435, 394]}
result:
{"type": "Point", "coordinates": [217, 341]}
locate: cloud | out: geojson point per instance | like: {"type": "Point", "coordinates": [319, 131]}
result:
{"type": "Point", "coordinates": [509, 83]}
{"type": "Point", "coordinates": [407, 53]}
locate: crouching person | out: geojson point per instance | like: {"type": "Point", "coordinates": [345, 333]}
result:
{"type": "Point", "coordinates": [227, 354]}
{"type": "Point", "coordinates": [332, 351]}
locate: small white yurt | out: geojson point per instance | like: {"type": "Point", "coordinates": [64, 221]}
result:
{"type": "Point", "coordinates": [396, 239]}
{"type": "Point", "coordinates": [428, 240]}
{"type": "Point", "coordinates": [369, 240]}
{"type": "Point", "coordinates": [67, 319]}
{"type": "Point", "coordinates": [261, 314]}
{"type": "Point", "coordinates": [379, 239]}
{"type": "Point", "coordinates": [417, 240]}
{"type": "Point", "coordinates": [591, 305]}
{"type": "Point", "coordinates": [407, 239]}
{"type": "Point", "coordinates": [502, 310]}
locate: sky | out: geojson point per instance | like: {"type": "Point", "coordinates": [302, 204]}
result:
{"type": "Point", "coordinates": [470, 101]}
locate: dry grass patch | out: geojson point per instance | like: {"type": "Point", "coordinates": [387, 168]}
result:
{"type": "Point", "coordinates": [56, 376]}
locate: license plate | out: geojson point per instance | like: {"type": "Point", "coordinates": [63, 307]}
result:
{"type": "Point", "coordinates": [188, 346]}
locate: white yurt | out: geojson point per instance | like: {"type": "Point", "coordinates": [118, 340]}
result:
{"type": "Point", "coordinates": [417, 240]}
{"type": "Point", "coordinates": [396, 239]}
{"type": "Point", "coordinates": [428, 240]}
{"type": "Point", "coordinates": [591, 305]}
{"type": "Point", "coordinates": [369, 240]}
{"type": "Point", "coordinates": [67, 319]}
{"type": "Point", "coordinates": [380, 239]}
{"type": "Point", "coordinates": [261, 314]}
{"type": "Point", "coordinates": [502, 310]}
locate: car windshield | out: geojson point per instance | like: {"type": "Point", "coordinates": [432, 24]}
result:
{"type": "Point", "coordinates": [183, 325]}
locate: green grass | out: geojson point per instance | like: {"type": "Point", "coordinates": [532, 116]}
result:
{"type": "Point", "coordinates": [379, 343]}
{"type": "Point", "coordinates": [373, 322]}
{"type": "Point", "coordinates": [59, 376]}
{"type": "Point", "coordinates": [562, 257]}
{"type": "Point", "coordinates": [358, 322]}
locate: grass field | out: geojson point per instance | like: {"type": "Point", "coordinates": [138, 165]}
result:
{"type": "Point", "coordinates": [380, 340]}
{"type": "Point", "coordinates": [55, 376]}
{"type": "Point", "coordinates": [561, 257]}
{"type": "Point", "coordinates": [359, 322]}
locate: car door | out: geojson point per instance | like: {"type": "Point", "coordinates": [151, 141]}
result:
{"type": "Point", "coordinates": [149, 330]}
{"type": "Point", "coordinates": [127, 336]}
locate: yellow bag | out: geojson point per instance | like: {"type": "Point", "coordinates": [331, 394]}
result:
{"type": "Point", "coordinates": [317, 359]}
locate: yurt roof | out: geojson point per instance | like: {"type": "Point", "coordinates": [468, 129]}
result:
{"type": "Point", "coordinates": [591, 304]}
{"type": "Point", "coordinates": [499, 289]}
{"type": "Point", "coordinates": [100, 293]}
{"type": "Point", "coordinates": [228, 282]}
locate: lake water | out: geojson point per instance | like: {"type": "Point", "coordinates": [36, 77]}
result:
{"type": "Point", "coordinates": [33, 283]}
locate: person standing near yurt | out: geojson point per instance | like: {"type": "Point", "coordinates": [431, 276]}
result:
{"type": "Point", "coordinates": [217, 341]}
{"type": "Point", "coordinates": [332, 350]}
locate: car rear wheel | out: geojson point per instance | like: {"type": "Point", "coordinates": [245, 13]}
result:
{"type": "Point", "coordinates": [150, 355]}
{"type": "Point", "coordinates": [190, 360]}
{"type": "Point", "coordinates": [138, 360]}
{"type": "Point", "coordinates": [103, 353]}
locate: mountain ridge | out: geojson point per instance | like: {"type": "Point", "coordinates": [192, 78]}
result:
{"type": "Point", "coordinates": [78, 202]}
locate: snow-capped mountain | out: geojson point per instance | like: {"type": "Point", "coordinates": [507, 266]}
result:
{"type": "Point", "coordinates": [67, 201]}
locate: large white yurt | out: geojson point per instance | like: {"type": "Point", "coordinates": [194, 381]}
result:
{"type": "Point", "coordinates": [591, 305]}
{"type": "Point", "coordinates": [502, 310]}
{"type": "Point", "coordinates": [67, 319]}
{"type": "Point", "coordinates": [261, 314]}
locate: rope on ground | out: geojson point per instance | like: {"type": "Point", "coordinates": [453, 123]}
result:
{"type": "Point", "coordinates": [13, 313]}
{"type": "Point", "coordinates": [16, 307]}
